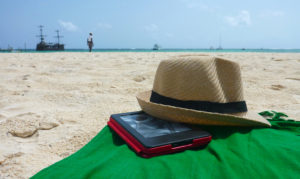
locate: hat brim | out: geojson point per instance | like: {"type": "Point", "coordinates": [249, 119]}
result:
{"type": "Point", "coordinates": [191, 116]}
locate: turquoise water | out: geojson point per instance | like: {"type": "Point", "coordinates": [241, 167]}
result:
{"type": "Point", "coordinates": [166, 50]}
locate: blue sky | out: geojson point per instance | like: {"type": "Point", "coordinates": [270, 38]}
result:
{"type": "Point", "coordinates": [142, 23]}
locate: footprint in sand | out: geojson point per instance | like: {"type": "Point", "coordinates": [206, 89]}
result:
{"type": "Point", "coordinates": [27, 124]}
{"type": "Point", "coordinates": [139, 78]}
{"type": "Point", "coordinates": [296, 79]}
{"type": "Point", "coordinates": [25, 77]}
{"type": "Point", "coordinates": [3, 157]}
{"type": "Point", "coordinates": [47, 125]}
{"type": "Point", "coordinates": [23, 125]}
{"type": "Point", "coordinates": [277, 60]}
{"type": "Point", "coordinates": [277, 87]}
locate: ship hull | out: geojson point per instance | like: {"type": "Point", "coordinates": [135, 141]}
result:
{"type": "Point", "coordinates": [50, 47]}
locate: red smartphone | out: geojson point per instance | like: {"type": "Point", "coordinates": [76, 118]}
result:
{"type": "Point", "coordinates": [149, 136]}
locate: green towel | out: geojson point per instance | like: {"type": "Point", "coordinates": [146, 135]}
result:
{"type": "Point", "coordinates": [233, 153]}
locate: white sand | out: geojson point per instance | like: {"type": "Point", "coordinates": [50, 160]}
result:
{"type": "Point", "coordinates": [52, 104]}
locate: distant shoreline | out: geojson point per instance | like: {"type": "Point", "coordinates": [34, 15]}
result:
{"type": "Point", "coordinates": [163, 50]}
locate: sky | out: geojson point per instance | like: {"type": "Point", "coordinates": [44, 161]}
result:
{"type": "Point", "coordinates": [142, 23]}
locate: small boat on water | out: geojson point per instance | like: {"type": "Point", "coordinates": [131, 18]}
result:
{"type": "Point", "coordinates": [44, 46]}
{"type": "Point", "coordinates": [220, 48]}
{"type": "Point", "coordinates": [9, 49]}
{"type": "Point", "coordinates": [220, 43]}
{"type": "Point", "coordinates": [156, 47]}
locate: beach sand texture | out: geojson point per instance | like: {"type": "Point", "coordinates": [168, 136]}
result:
{"type": "Point", "coordinates": [52, 104]}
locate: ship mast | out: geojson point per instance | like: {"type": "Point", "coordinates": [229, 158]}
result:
{"type": "Point", "coordinates": [41, 31]}
{"type": "Point", "coordinates": [58, 36]}
{"type": "Point", "coordinates": [220, 41]}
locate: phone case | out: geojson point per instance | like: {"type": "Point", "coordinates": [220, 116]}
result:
{"type": "Point", "coordinates": [146, 152]}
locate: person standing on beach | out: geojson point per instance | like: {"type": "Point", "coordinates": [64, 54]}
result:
{"type": "Point", "coordinates": [90, 42]}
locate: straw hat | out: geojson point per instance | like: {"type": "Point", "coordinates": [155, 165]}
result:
{"type": "Point", "coordinates": [199, 90]}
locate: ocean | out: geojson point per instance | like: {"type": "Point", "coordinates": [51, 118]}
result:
{"type": "Point", "coordinates": [164, 50]}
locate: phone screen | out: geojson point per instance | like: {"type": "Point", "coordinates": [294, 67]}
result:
{"type": "Point", "coordinates": [149, 126]}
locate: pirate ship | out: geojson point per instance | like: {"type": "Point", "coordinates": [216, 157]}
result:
{"type": "Point", "coordinates": [156, 47]}
{"type": "Point", "coordinates": [43, 46]}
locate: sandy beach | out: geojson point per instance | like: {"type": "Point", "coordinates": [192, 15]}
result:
{"type": "Point", "coordinates": [52, 104]}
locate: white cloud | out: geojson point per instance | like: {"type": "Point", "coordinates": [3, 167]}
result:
{"type": "Point", "coordinates": [104, 26]}
{"type": "Point", "coordinates": [272, 13]}
{"type": "Point", "coordinates": [69, 26]}
{"type": "Point", "coordinates": [151, 28]}
{"type": "Point", "coordinates": [243, 18]}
